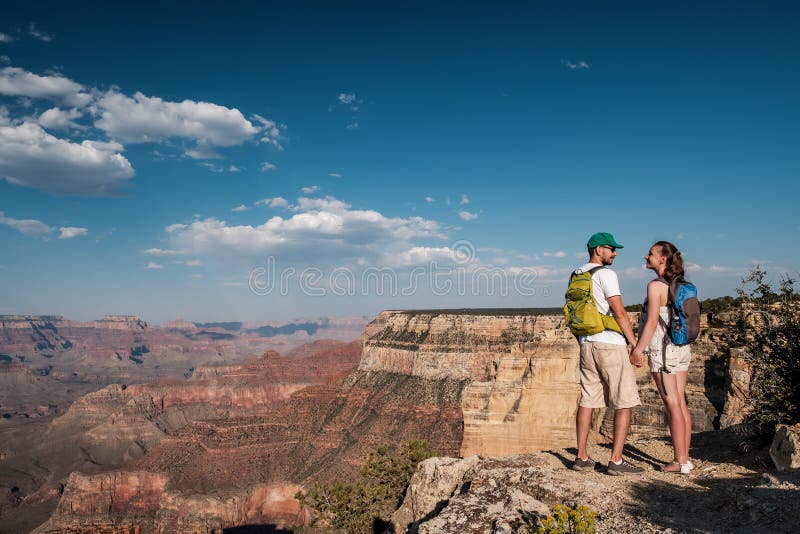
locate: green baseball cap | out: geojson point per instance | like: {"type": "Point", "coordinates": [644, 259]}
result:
{"type": "Point", "coordinates": [602, 238]}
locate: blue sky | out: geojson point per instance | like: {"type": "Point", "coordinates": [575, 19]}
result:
{"type": "Point", "coordinates": [171, 162]}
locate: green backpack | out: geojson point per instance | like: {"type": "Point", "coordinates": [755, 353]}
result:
{"type": "Point", "coordinates": [580, 312]}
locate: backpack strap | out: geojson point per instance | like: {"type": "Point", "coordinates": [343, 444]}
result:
{"type": "Point", "coordinates": [664, 341]}
{"type": "Point", "coordinates": [591, 272]}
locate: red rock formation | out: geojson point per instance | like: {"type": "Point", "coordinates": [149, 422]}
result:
{"type": "Point", "coordinates": [322, 432]}
{"type": "Point", "coordinates": [121, 423]}
{"type": "Point", "coordinates": [484, 384]}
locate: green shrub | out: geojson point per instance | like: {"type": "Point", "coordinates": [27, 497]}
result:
{"type": "Point", "coordinates": [771, 323]}
{"type": "Point", "coordinates": [567, 520]}
{"type": "Point", "coordinates": [366, 505]}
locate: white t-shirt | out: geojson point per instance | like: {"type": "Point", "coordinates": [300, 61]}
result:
{"type": "Point", "coordinates": [605, 286]}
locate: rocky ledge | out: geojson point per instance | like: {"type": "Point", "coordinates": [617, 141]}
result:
{"type": "Point", "coordinates": [728, 491]}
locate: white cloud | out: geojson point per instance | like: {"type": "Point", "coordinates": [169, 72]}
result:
{"type": "Point", "coordinates": [464, 199]}
{"type": "Point", "coordinates": [346, 98]}
{"type": "Point", "coordinates": [692, 267]}
{"type": "Point", "coordinates": [719, 269]}
{"type": "Point", "coordinates": [324, 229]}
{"type": "Point", "coordinates": [233, 284]}
{"type": "Point", "coordinates": [508, 253]}
{"type": "Point", "coordinates": [26, 226]}
{"type": "Point", "coordinates": [202, 153]}
{"type": "Point", "coordinates": [334, 174]}
{"type": "Point", "coordinates": [234, 168]}
{"type": "Point", "coordinates": [557, 254]}
{"type": "Point", "coordinates": [193, 263]}
{"type": "Point", "coordinates": [18, 82]}
{"type": "Point", "coordinates": [166, 252]}
{"type": "Point", "coordinates": [428, 199]}
{"type": "Point", "coordinates": [544, 273]}
{"type": "Point", "coordinates": [309, 189]}
{"type": "Point", "coordinates": [638, 273]}
{"type": "Point", "coordinates": [5, 59]}
{"type": "Point", "coordinates": [143, 119]}
{"type": "Point", "coordinates": [328, 203]}
{"type": "Point", "coordinates": [31, 157]}
{"type": "Point", "coordinates": [352, 126]}
{"type": "Point", "coordinates": [575, 66]}
{"type": "Point", "coordinates": [5, 38]}
{"type": "Point", "coordinates": [58, 119]}
{"type": "Point", "coordinates": [420, 256]}
{"type": "Point", "coordinates": [680, 236]}
{"type": "Point", "coordinates": [580, 255]}
{"type": "Point", "coordinates": [277, 202]}
{"type": "Point", "coordinates": [212, 167]}
{"type": "Point", "coordinates": [240, 207]}
{"type": "Point", "coordinates": [153, 265]}
{"type": "Point", "coordinates": [270, 132]}
{"type": "Point", "coordinates": [68, 232]}
{"type": "Point", "coordinates": [467, 216]}
{"type": "Point", "coordinates": [38, 34]}
{"type": "Point", "coordinates": [267, 166]}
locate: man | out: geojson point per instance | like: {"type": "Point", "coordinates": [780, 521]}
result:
{"type": "Point", "coordinates": [606, 375]}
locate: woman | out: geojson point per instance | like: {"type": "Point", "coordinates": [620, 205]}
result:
{"type": "Point", "coordinates": [669, 364]}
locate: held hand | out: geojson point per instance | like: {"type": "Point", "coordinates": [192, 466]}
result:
{"type": "Point", "coordinates": [637, 357]}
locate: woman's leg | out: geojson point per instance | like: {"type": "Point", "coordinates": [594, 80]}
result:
{"type": "Point", "coordinates": [682, 377]}
{"type": "Point", "coordinates": [667, 384]}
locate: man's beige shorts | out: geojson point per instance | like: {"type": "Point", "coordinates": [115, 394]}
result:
{"type": "Point", "coordinates": [607, 377]}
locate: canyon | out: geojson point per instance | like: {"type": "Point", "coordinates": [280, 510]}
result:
{"type": "Point", "coordinates": [232, 444]}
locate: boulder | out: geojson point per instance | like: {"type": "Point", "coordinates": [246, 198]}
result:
{"type": "Point", "coordinates": [430, 488]}
{"type": "Point", "coordinates": [785, 449]}
{"type": "Point", "coordinates": [491, 495]}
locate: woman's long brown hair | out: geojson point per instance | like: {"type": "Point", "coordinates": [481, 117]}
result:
{"type": "Point", "coordinates": [674, 261]}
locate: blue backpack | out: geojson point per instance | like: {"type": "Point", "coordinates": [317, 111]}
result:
{"type": "Point", "coordinates": [684, 312]}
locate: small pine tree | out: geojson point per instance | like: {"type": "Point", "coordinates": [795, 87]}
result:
{"type": "Point", "coordinates": [365, 505]}
{"type": "Point", "coordinates": [771, 323]}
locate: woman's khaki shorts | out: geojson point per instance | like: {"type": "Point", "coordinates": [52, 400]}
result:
{"type": "Point", "coordinates": [607, 377]}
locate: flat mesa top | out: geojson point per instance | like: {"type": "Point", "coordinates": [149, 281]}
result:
{"type": "Point", "coordinates": [484, 311]}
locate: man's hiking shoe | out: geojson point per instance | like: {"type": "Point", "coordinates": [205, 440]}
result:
{"type": "Point", "coordinates": [583, 465]}
{"type": "Point", "coordinates": [624, 468]}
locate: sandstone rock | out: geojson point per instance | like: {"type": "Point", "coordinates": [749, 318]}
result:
{"type": "Point", "coordinates": [430, 487]}
{"type": "Point", "coordinates": [522, 376]}
{"type": "Point", "coordinates": [495, 495]}
{"type": "Point", "coordinates": [737, 388]}
{"type": "Point", "coordinates": [785, 449]}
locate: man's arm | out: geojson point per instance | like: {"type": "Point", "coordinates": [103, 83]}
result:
{"type": "Point", "coordinates": [618, 309]}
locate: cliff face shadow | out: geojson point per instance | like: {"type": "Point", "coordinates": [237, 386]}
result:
{"type": "Point", "coordinates": [717, 505]}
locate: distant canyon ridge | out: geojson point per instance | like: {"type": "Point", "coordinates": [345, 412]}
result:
{"type": "Point", "coordinates": [228, 444]}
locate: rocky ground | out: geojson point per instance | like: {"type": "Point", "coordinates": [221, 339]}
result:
{"type": "Point", "coordinates": [733, 488]}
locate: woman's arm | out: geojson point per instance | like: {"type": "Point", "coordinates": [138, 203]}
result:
{"type": "Point", "coordinates": [655, 294]}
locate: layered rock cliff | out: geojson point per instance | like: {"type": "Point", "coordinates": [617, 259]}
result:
{"type": "Point", "coordinates": [521, 372]}
{"type": "Point", "coordinates": [115, 425]}
{"type": "Point", "coordinates": [493, 384]}
{"type": "Point", "coordinates": [216, 473]}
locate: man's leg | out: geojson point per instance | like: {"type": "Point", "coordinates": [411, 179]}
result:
{"type": "Point", "coordinates": [583, 420]}
{"type": "Point", "coordinates": [622, 423]}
